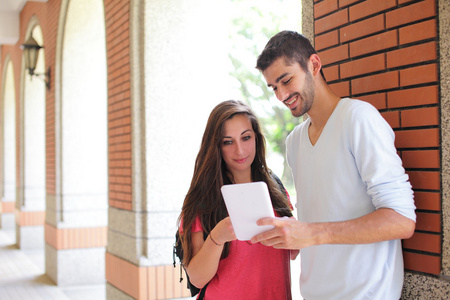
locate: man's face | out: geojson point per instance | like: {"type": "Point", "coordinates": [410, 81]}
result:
{"type": "Point", "coordinates": [291, 85]}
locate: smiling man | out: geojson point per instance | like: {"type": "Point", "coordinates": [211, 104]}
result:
{"type": "Point", "coordinates": [354, 199]}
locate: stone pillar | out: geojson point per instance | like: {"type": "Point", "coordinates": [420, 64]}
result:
{"type": "Point", "coordinates": [76, 214]}
{"type": "Point", "coordinates": [179, 73]}
{"type": "Point", "coordinates": [8, 151]}
{"type": "Point", "coordinates": [30, 203]}
{"type": "Point", "coordinates": [438, 287]}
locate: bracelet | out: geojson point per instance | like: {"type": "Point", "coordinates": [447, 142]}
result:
{"type": "Point", "coordinates": [210, 236]}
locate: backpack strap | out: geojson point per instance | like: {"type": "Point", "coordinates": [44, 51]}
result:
{"type": "Point", "coordinates": [178, 252]}
{"type": "Point", "coordinates": [280, 183]}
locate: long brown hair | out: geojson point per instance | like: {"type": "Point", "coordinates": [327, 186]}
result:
{"type": "Point", "coordinates": [204, 198]}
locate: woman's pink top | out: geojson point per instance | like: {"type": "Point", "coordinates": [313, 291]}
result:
{"type": "Point", "coordinates": [251, 271]}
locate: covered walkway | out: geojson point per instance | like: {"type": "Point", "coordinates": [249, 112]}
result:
{"type": "Point", "coordinates": [22, 276]}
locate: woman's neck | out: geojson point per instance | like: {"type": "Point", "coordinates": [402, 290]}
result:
{"type": "Point", "coordinates": [241, 177]}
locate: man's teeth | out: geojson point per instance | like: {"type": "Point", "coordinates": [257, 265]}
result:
{"type": "Point", "coordinates": [292, 101]}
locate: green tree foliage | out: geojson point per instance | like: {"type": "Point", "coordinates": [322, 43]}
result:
{"type": "Point", "coordinates": [252, 25]}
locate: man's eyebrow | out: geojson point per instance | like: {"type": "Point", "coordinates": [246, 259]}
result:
{"type": "Point", "coordinates": [279, 78]}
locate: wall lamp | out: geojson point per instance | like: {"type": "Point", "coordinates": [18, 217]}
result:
{"type": "Point", "coordinates": [31, 51]}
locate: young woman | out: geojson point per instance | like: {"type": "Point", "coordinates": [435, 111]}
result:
{"type": "Point", "coordinates": [232, 151]}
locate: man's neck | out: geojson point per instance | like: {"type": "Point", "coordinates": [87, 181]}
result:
{"type": "Point", "coordinates": [320, 113]}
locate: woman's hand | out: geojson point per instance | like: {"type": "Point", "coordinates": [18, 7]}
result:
{"type": "Point", "coordinates": [223, 232]}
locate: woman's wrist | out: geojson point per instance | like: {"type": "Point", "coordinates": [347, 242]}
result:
{"type": "Point", "coordinates": [213, 240]}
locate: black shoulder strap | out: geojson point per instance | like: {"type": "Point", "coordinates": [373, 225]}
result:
{"type": "Point", "coordinates": [280, 184]}
{"type": "Point", "coordinates": [178, 251]}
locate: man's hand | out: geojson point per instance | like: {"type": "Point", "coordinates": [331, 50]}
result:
{"type": "Point", "coordinates": [287, 234]}
{"type": "Point", "coordinates": [381, 225]}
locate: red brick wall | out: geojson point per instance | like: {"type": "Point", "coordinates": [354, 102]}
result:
{"type": "Point", "coordinates": [117, 14]}
{"type": "Point", "coordinates": [385, 52]}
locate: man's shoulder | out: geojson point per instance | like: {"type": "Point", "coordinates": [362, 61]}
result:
{"type": "Point", "coordinates": [357, 110]}
{"type": "Point", "coordinates": [356, 105]}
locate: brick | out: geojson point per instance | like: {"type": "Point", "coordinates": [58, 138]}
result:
{"type": "Point", "coordinates": [119, 171]}
{"type": "Point", "coordinates": [361, 29]}
{"type": "Point", "coordinates": [332, 21]}
{"type": "Point", "coordinates": [378, 100]}
{"type": "Point", "coordinates": [419, 138]}
{"type": "Point", "coordinates": [418, 32]}
{"type": "Point", "coordinates": [342, 89]}
{"type": "Point", "coordinates": [411, 55]}
{"type": "Point", "coordinates": [427, 180]}
{"type": "Point", "coordinates": [331, 73]}
{"type": "Point", "coordinates": [373, 83]}
{"type": "Point", "coordinates": [375, 43]}
{"type": "Point", "coordinates": [418, 75]}
{"type": "Point", "coordinates": [422, 263]}
{"type": "Point", "coordinates": [413, 97]}
{"type": "Point", "coordinates": [423, 242]}
{"type": "Point", "coordinates": [120, 180]}
{"type": "Point", "coordinates": [326, 40]}
{"type": "Point", "coordinates": [363, 66]}
{"type": "Point", "coordinates": [344, 3]}
{"type": "Point", "coordinates": [428, 222]}
{"type": "Point", "coordinates": [411, 13]}
{"type": "Point", "coordinates": [325, 7]}
{"type": "Point", "coordinates": [334, 55]}
{"type": "Point", "coordinates": [369, 7]}
{"type": "Point", "coordinates": [392, 117]}
{"type": "Point", "coordinates": [421, 159]}
{"type": "Point", "coordinates": [420, 117]}
{"type": "Point", "coordinates": [119, 131]}
{"type": "Point", "coordinates": [427, 200]}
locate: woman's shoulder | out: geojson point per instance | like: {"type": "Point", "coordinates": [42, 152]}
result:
{"type": "Point", "coordinates": [196, 225]}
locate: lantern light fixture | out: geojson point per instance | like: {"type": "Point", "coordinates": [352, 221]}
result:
{"type": "Point", "coordinates": [31, 51]}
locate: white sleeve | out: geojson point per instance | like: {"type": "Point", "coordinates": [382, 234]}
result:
{"type": "Point", "coordinates": [372, 145]}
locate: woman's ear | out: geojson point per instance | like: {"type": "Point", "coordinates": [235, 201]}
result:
{"type": "Point", "coordinates": [316, 64]}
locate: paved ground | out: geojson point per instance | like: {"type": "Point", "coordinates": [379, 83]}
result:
{"type": "Point", "coordinates": [22, 276]}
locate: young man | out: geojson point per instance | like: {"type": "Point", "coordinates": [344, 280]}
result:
{"type": "Point", "coordinates": [354, 200]}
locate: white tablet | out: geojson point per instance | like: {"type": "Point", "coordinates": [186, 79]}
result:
{"type": "Point", "coordinates": [247, 203]}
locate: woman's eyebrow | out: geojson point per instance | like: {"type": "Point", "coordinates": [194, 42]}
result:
{"type": "Point", "coordinates": [245, 131]}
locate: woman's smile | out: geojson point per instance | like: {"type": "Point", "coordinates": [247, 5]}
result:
{"type": "Point", "coordinates": [241, 160]}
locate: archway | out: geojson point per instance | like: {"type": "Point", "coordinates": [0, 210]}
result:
{"type": "Point", "coordinates": [9, 147]}
{"type": "Point", "coordinates": [30, 204]}
{"type": "Point", "coordinates": [78, 210]}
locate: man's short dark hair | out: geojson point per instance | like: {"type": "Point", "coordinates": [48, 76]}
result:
{"type": "Point", "coordinates": [290, 45]}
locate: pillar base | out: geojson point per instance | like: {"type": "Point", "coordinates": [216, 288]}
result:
{"type": "Point", "coordinates": [7, 221]}
{"type": "Point", "coordinates": [30, 237]}
{"type": "Point", "coordinates": [70, 267]}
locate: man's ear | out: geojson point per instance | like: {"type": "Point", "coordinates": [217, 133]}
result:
{"type": "Point", "coordinates": [315, 63]}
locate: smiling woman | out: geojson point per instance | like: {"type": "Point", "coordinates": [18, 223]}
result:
{"type": "Point", "coordinates": [232, 151]}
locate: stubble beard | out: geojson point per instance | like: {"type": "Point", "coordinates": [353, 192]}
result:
{"type": "Point", "coordinates": [306, 97]}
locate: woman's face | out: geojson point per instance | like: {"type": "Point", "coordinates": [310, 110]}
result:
{"type": "Point", "coordinates": [239, 147]}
